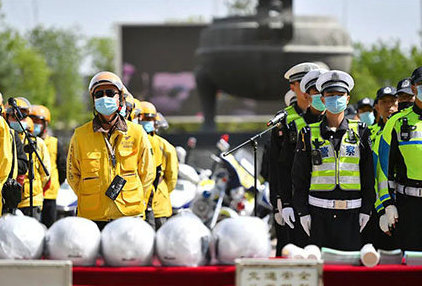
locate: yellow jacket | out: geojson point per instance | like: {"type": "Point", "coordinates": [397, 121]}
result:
{"type": "Point", "coordinates": [40, 178]}
{"type": "Point", "coordinates": [90, 171]}
{"type": "Point", "coordinates": [51, 192]}
{"type": "Point", "coordinates": [6, 154]}
{"type": "Point", "coordinates": [161, 204]}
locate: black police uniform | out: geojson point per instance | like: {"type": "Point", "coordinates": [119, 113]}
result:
{"type": "Point", "coordinates": [342, 224]}
{"type": "Point", "coordinates": [282, 152]}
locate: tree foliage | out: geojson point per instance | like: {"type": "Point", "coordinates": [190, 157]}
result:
{"type": "Point", "coordinates": [379, 65]}
{"type": "Point", "coordinates": [101, 51]}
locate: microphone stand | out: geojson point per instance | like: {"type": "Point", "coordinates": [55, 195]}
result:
{"type": "Point", "coordinates": [253, 141]}
{"type": "Point", "coordinates": [30, 148]}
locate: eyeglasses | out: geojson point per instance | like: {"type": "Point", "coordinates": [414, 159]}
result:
{"type": "Point", "coordinates": [106, 92]}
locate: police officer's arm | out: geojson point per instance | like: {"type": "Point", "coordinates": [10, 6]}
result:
{"type": "Point", "coordinates": [73, 171]}
{"type": "Point", "coordinates": [22, 159]}
{"type": "Point", "coordinates": [172, 167]}
{"type": "Point", "coordinates": [61, 162]}
{"type": "Point", "coordinates": [146, 164]}
{"type": "Point", "coordinates": [45, 157]}
{"type": "Point", "coordinates": [287, 154]}
{"type": "Point", "coordinates": [274, 166]}
{"type": "Point", "coordinates": [301, 173]}
{"type": "Point", "coordinates": [392, 162]}
{"type": "Point", "coordinates": [366, 166]}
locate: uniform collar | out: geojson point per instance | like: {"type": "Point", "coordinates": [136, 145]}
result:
{"type": "Point", "coordinates": [416, 109]}
{"type": "Point", "coordinates": [99, 126]}
{"type": "Point", "coordinates": [325, 129]}
{"type": "Point", "coordinates": [297, 109]}
{"type": "Point", "coordinates": [311, 117]}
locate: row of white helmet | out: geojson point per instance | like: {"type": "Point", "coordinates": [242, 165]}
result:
{"type": "Point", "coordinates": [182, 241]}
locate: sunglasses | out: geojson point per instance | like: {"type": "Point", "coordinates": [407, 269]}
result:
{"type": "Point", "coordinates": [106, 92]}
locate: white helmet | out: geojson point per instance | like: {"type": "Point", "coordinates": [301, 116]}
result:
{"type": "Point", "coordinates": [246, 237]}
{"type": "Point", "coordinates": [183, 241]}
{"type": "Point", "coordinates": [290, 97]}
{"type": "Point", "coordinates": [127, 241]}
{"type": "Point", "coordinates": [74, 238]}
{"type": "Point", "coordinates": [21, 237]}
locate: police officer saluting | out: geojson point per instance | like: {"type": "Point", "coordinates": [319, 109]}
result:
{"type": "Point", "coordinates": [333, 175]}
{"type": "Point", "coordinates": [283, 142]}
{"type": "Point", "coordinates": [405, 170]}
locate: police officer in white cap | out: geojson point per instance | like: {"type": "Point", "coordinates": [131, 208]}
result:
{"type": "Point", "coordinates": [317, 108]}
{"type": "Point", "coordinates": [283, 141]}
{"type": "Point", "coordinates": [333, 174]}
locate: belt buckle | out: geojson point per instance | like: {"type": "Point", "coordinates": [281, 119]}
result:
{"type": "Point", "coordinates": [340, 205]}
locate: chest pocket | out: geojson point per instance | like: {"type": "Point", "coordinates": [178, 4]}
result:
{"type": "Point", "coordinates": [128, 160]}
{"type": "Point", "coordinates": [91, 164]}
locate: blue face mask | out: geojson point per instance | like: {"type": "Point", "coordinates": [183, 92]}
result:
{"type": "Point", "coordinates": [106, 105]}
{"type": "Point", "coordinates": [148, 126]}
{"type": "Point", "coordinates": [15, 126]}
{"type": "Point", "coordinates": [123, 111]}
{"type": "Point", "coordinates": [317, 103]}
{"type": "Point", "coordinates": [336, 104]}
{"type": "Point", "coordinates": [419, 89]}
{"type": "Point", "coordinates": [37, 129]}
{"type": "Point", "coordinates": [367, 117]}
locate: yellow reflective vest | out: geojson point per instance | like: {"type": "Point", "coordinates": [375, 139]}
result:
{"type": "Point", "coordinates": [51, 192]}
{"type": "Point", "coordinates": [6, 155]}
{"type": "Point", "coordinates": [90, 171]}
{"type": "Point", "coordinates": [40, 177]}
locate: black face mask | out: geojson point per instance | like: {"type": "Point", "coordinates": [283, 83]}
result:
{"type": "Point", "coordinates": [405, 104]}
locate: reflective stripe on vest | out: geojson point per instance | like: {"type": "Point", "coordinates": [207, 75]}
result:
{"type": "Point", "coordinates": [336, 169]}
{"type": "Point", "coordinates": [292, 115]}
{"type": "Point", "coordinates": [411, 150]}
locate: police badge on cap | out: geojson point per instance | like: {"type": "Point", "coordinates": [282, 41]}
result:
{"type": "Point", "coordinates": [335, 80]}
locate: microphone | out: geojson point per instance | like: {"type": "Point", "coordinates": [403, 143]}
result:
{"type": "Point", "coordinates": [277, 118]}
{"type": "Point", "coordinates": [12, 103]}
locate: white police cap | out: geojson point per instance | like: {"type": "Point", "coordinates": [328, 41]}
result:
{"type": "Point", "coordinates": [290, 97]}
{"type": "Point", "coordinates": [309, 80]}
{"type": "Point", "coordinates": [335, 80]}
{"type": "Point", "coordinates": [297, 72]}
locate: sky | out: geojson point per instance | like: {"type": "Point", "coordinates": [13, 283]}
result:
{"type": "Point", "coordinates": [366, 20]}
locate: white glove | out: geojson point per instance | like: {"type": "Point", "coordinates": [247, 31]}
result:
{"type": "Point", "coordinates": [278, 216]}
{"type": "Point", "coordinates": [384, 224]}
{"type": "Point", "coordinates": [305, 221]}
{"type": "Point", "coordinates": [392, 215]}
{"type": "Point", "coordinates": [363, 220]}
{"type": "Point", "coordinates": [289, 216]}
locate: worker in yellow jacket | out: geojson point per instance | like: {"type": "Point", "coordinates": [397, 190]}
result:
{"type": "Point", "coordinates": [110, 163]}
{"type": "Point", "coordinates": [42, 117]}
{"type": "Point", "coordinates": [40, 177]}
{"type": "Point", "coordinates": [166, 165]}
{"type": "Point", "coordinates": [6, 155]}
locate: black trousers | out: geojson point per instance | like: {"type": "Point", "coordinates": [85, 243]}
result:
{"type": "Point", "coordinates": [283, 237]}
{"type": "Point", "coordinates": [36, 212]}
{"type": "Point", "coordinates": [338, 229]}
{"type": "Point", "coordinates": [373, 234]}
{"type": "Point", "coordinates": [49, 212]}
{"type": "Point", "coordinates": [409, 226]}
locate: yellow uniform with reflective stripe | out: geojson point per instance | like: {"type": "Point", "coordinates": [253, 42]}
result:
{"type": "Point", "coordinates": [90, 171]}
{"type": "Point", "coordinates": [158, 160]}
{"type": "Point", "coordinates": [51, 192]}
{"type": "Point", "coordinates": [161, 204]}
{"type": "Point", "coordinates": [15, 156]}
{"type": "Point", "coordinates": [337, 168]}
{"type": "Point", "coordinates": [40, 177]}
{"type": "Point", "coordinates": [6, 155]}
